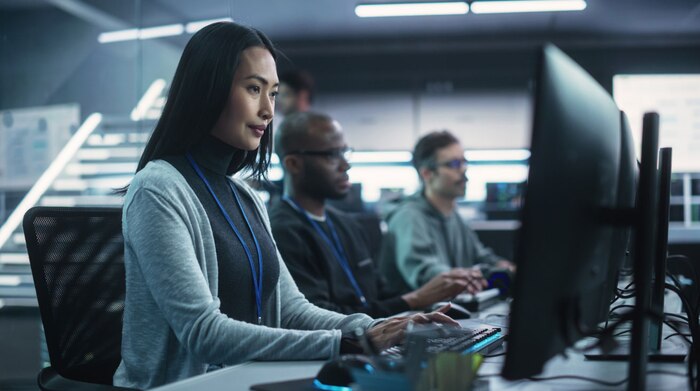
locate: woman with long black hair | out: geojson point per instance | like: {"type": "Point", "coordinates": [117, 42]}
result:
{"type": "Point", "coordinates": [205, 284]}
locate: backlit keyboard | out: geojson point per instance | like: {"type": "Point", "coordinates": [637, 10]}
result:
{"type": "Point", "coordinates": [447, 339]}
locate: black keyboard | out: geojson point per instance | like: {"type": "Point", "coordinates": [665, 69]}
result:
{"type": "Point", "coordinates": [447, 339]}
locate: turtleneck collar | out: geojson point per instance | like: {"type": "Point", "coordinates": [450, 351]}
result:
{"type": "Point", "coordinates": [214, 155]}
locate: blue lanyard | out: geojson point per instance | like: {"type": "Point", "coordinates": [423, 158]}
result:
{"type": "Point", "coordinates": [257, 279]}
{"type": "Point", "coordinates": [335, 245]}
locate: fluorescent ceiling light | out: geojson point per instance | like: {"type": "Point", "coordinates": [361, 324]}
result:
{"type": "Point", "coordinates": [161, 31]}
{"type": "Point", "coordinates": [116, 36]}
{"type": "Point", "coordinates": [157, 31]}
{"type": "Point", "coordinates": [147, 33]}
{"type": "Point", "coordinates": [499, 7]}
{"type": "Point", "coordinates": [412, 9]}
{"type": "Point", "coordinates": [497, 155]}
{"type": "Point", "coordinates": [193, 27]}
{"type": "Point", "coordinates": [381, 157]}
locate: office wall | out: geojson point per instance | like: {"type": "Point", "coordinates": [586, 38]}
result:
{"type": "Point", "coordinates": [498, 119]}
{"type": "Point", "coordinates": [387, 93]}
{"type": "Point", "coordinates": [402, 66]}
{"type": "Point", "coordinates": [50, 57]}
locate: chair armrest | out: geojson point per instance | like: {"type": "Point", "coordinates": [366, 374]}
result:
{"type": "Point", "coordinates": [50, 380]}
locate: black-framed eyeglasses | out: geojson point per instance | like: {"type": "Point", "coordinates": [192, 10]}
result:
{"type": "Point", "coordinates": [455, 164]}
{"type": "Point", "coordinates": [333, 153]}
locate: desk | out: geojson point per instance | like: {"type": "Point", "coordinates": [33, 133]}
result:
{"type": "Point", "coordinates": [241, 377]}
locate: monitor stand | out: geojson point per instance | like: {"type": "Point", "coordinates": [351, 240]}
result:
{"type": "Point", "coordinates": [670, 352]}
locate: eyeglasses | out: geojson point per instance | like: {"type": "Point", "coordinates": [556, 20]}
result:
{"type": "Point", "coordinates": [455, 164]}
{"type": "Point", "coordinates": [333, 154]}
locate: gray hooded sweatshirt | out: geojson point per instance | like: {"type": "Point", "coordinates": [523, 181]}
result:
{"type": "Point", "coordinates": [422, 243]}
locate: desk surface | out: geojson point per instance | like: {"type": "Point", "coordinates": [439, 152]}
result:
{"type": "Point", "coordinates": [242, 377]}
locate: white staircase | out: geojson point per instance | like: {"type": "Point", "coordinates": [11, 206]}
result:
{"type": "Point", "coordinates": [100, 157]}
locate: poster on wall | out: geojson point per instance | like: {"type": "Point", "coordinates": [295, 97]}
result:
{"type": "Point", "coordinates": [30, 138]}
{"type": "Point", "coordinates": [677, 100]}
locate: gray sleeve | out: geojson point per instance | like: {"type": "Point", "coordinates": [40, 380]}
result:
{"type": "Point", "coordinates": [299, 313]}
{"type": "Point", "coordinates": [417, 256]}
{"type": "Point", "coordinates": [159, 235]}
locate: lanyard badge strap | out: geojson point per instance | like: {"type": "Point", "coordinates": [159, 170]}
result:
{"type": "Point", "coordinates": [335, 246]}
{"type": "Point", "coordinates": [257, 278]}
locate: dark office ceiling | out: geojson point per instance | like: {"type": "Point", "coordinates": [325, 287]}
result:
{"type": "Point", "coordinates": [632, 21]}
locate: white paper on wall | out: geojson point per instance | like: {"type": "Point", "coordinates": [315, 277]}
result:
{"type": "Point", "coordinates": [30, 138]}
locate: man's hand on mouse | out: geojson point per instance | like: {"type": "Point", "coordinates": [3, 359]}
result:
{"type": "Point", "coordinates": [475, 279]}
{"type": "Point", "coordinates": [441, 287]}
{"type": "Point", "coordinates": [393, 330]}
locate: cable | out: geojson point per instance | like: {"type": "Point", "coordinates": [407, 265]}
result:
{"type": "Point", "coordinates": [612, 310]}
{"type": "Point", "coordinates": [680, 317]}
{"type": "Point", "coordinates": [662, 372]}
{"type": "Point", "coordinates": [494, 355]}
{"type": "Point", "coordinates": [576, 377]}
{"type": "Point", "coordinates": [693, 363]}
{"type": "Point", "coordinates": [692, 359]}
{"type": "Point", "coordinates": [677, 333]}
{"type": "Point", "coordinates": [693, 269]}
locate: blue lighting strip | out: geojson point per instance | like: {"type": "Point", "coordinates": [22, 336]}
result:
{"type": "Point", "coordinates": [486, 342]}
{"type": "Point", "coordinates": [322, 386]}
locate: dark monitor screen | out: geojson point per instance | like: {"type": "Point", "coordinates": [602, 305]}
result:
{"type": "Point", "coordinates": [621, 249]}
{"type": "Point", "coordinates": [564, 249]}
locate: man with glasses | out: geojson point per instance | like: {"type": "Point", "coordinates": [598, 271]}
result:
{"type": "Point", "coordinates": [426, 236]}
{"type": "Point", "coordinates": [325, 250]}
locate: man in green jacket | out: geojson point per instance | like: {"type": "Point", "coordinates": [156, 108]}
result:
{"type": "Point", "coordinates": [426, 235]}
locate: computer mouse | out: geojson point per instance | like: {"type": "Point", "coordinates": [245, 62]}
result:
{"type": "Point", "coordinates": [455, 312]}
{"type": "Point", "coordinates": [338, 372]}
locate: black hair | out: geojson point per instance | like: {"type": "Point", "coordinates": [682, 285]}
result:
{"type": "Point", "coordinates": [199, 92]}
{"type": "Point", "coordinates": [427, 146]}
{"type": "Point", "coordinates": [299, 80]}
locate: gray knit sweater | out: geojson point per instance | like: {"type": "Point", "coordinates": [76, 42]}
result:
{"type": "Point", "coordinates": [173, 328]}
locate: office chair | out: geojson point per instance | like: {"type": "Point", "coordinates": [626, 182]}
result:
{"type": "Point", "coordinates": [77, 261]}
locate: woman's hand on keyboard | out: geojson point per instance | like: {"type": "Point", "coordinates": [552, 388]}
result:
{"type": "Point", "coordinates": [393, 330]}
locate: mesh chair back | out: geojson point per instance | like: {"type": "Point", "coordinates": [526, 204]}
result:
{"type": "Point", "coordinates": [77, 262]}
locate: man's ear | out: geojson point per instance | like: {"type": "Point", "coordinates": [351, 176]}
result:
{"type": "Point", "coordinates": [426, 173]}
{"type": "Point", "coordinates": [292, 164]}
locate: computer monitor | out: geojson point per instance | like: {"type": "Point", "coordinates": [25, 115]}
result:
{"type": "Point", "coordinates": [565, 244]}
{"type": "Point", "coordinates": [659, 279]}
{"type": "Point", "coordinates": [620, 251]}
{"type": "Point", "coordinates": [503, 200]}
